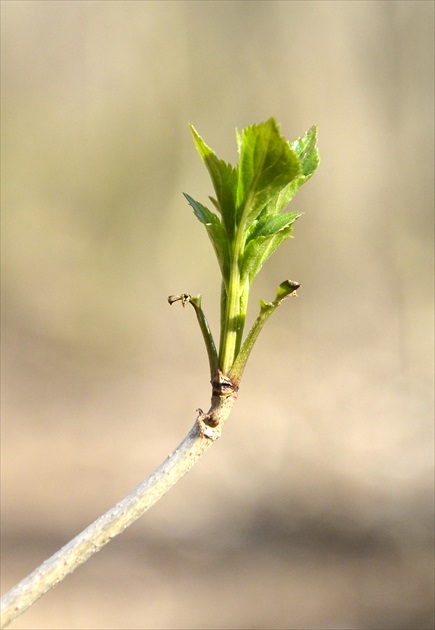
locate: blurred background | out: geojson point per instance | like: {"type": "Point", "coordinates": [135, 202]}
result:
{"type": "Point", "coordinates": [315, 510]}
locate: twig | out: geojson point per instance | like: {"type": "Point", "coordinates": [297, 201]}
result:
{"type": "Point", "coordinates": [117, 519]}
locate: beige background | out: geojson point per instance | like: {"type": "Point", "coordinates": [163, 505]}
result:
{"type": "Point", "coordinates": [315, 509]}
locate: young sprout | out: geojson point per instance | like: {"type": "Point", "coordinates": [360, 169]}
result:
{"type": "Point", "coordinates": [247, 226]}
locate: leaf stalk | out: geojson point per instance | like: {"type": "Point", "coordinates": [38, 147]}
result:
{"type": "Point", "coordinates": [213, 360]}
{"type": "Point", "coordinates": [286, 288]}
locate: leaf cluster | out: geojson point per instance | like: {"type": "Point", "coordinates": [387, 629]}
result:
{"type": "Point", "coordinates": [250, 198]}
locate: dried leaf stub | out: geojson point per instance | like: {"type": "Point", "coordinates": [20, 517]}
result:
{"type": "Point", "coordinates": [184, 298]}
{"type": "Point", "coordinates": [286, 288]}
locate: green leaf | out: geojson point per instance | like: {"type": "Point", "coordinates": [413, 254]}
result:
{"type": "Point", "coordinates": [202, 212]}
{"type": "Point", "coordinates": [224, 179]}
{"type": "Point", "coordinates": [216, 234]}
{"type": "Point", "coordinates": [272, 223]}
{"type": "Point", "coordinates": [308, 155]}
{"type": "Point", "coordinates": [259, 249]}
{"type": "Point", "coordinates": [268, 234]}
{"type": "Point", "coordinates": [306, 150]}
{"type": "Point", "coordinates": [267, 164]}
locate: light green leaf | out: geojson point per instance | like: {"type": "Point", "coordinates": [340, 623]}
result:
{"type": "Point", "coordinates": [307, 152]}
{"type": "Point", "coordinates": [224, 179]}
{"type": "Point", "coordinates": [268, 233]}
{"type": "Point", "coordinates": [308, 155]}
{"type": "Point", "coordinates": [202, 212]}
{"type": "Point", "coordinates": [259, 249]}
{"type": "Point", "coordinates": [271, 223]}
{"type": "Point", "coordinates": [267, 164]}
{"type": "Point", "coordinates": [216, 233]}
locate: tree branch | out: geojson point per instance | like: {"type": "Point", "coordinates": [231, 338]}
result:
{"type": "Point", "coordinates": [207, 428]}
